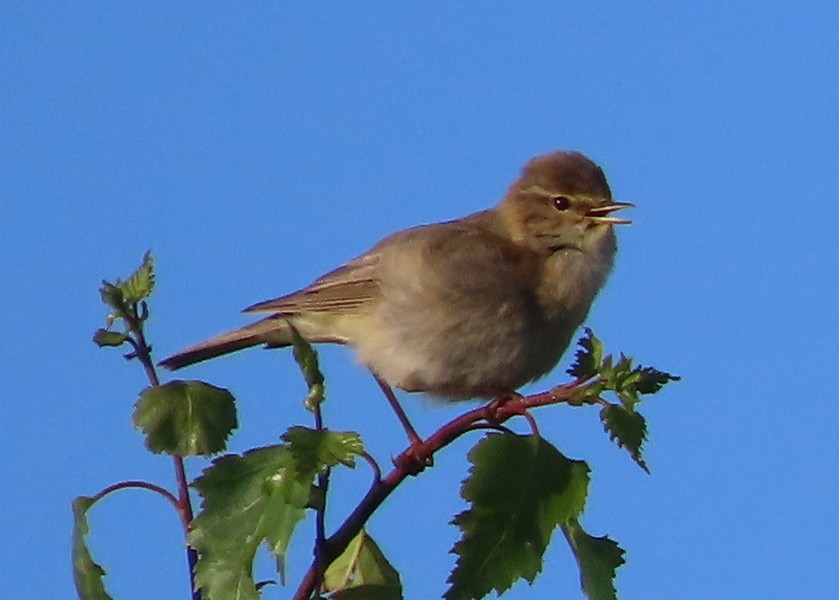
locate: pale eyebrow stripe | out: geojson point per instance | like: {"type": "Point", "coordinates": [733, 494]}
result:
{"type": "Point", "coordinates": [539, 191]}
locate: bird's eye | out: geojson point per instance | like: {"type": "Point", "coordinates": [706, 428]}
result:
{"type": "Point", "coordinates": [562, 202]}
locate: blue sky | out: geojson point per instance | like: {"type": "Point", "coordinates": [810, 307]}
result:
{"type": "Point", "coordinates": [254, 147]}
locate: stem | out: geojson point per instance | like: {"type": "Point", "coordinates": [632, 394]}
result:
{"type": "Point", "coordinates": [491, 415]}
{"type": "Point", "coordinates": [184, 511]}
{"type": "Point", "coordinates": [320, 563]}
{"type": "Point", "coordinates": [145, 485]}
{"type": "Point", "coordinates": [377, 471]}
{"type": "Point", "coordinates": [184, 502]}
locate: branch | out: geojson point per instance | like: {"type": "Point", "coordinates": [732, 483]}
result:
{"type": "Point", "coordinates": [413, 460]}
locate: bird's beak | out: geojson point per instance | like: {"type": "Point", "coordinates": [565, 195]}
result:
{"type": "Point", "coordinates": [600, 214]}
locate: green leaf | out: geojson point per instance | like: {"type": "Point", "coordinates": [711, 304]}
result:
{"type": "Point", "coordinates": [125, 297]}
{"type": "Point", "coordinates": [651, 380]}
{"type": "Point", "coordinates": [112, 296]}
{"type": "Point", "coordinates": [315, 450]}
{"type": "Point", "coordinates": [362, 573]}
{"type": "Point", "coordinates": [186, 418]}
{"type": "Point", "coordinates": [86, 573]}
{"type": "Point", "coordinates": [140, 283]}
{"type": "Point", "coordinates": [520, 489]}
{"type": "Point", "coordinates": [104, 337]}
{"type": "Point", "coordinates": [247, 500]}
{"type": "Point", "coordinates": [598, 559]}
{"type": "Point", "coordinates": [628, 382]}
{"type": "Point", "coordinates": [307, 359]}
{"type": "Point", "coordinates": [627, 429]}
{"type": "Point", "coordinates": [588, 358]}
{"type": "Point", "coordinates": [621, 378]}
{"type": "Point", "coordinates": [137, 287]}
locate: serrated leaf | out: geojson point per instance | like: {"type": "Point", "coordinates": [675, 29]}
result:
{"type": "Point", "coordinates": [140, 283]}
{"type": "Point", "coordinates": [520, 489]}
{"type": "Point", "coordinates": [588, 356]}
{"type": "Point", "coordinates": [87, 574]}
{"type": "Point", "coordinates": [247, 500]}
{"type": "Point", "coordinates": [629, 383]}
{"type": "Point", "coordinates": [627, 429]}
{"type": "Point", "coordinates": [307, 359]}
{"type": "Point", "coordinates": [186, 418]}
{"type": "Point", "coordinates": [598, 559]}
{"type": "Point", "coordinates": [362, 572]}
{"type": "Point", "coordinates": [315, 450]}
{"type": "Point", "coordinates": [651, 380]}
{"type": "Point", "coordinates": [104, 337]}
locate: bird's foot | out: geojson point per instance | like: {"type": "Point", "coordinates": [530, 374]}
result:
{"type": "Point", "coordinates": [493, 409]}
{"type": "Point", "coordinates": [412, 460]}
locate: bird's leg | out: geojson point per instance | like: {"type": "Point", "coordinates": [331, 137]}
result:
{"type": "Point", "coordinates": [413, 437]}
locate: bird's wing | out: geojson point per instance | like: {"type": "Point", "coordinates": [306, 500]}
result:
{"type": "Point", "coordinates": [475, 246]}
{"type": "Point", "coordinates": [347, 288]}
{"type": "Point", "coordinates": [435, 248]}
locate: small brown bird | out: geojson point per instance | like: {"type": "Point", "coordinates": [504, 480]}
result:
{"type": "Point", "coordinates": [471, 308]}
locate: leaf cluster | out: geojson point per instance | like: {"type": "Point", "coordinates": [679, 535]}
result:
{"type": "Point", "coordinates": [597, 374]}
{"type": "Point", "coordinates": [259, 497]}
{"type": "Point", "coordinates": [127, 303]}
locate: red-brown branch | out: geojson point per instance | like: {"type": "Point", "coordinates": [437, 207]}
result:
{"type": "Point", "coordinates": [413, 460]}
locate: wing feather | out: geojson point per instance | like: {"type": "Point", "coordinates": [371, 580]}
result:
{"type": "Point", "coordinates": [347, 288]}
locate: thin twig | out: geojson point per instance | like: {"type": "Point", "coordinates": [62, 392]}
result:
{"type": "Point", "coordinates": [377, 471]}
{"type": "Point", "coordinates": [142, 351]}
{"type": "Point", "coordinates": [320, 513]}
{"type": "Point", "coordinates": [145, 485]}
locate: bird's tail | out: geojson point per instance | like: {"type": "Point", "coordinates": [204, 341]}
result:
{"type": "Point", "coordinates": [272, 331]}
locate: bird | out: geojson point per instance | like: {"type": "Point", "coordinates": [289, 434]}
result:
{"type": "Point", "coordinates": [472, 308]}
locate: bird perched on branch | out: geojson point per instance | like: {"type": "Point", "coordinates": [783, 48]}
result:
{"type": "Point", "coordinates": [470, 308]}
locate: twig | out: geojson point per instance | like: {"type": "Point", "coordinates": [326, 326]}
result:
{"type": "Point", "coordinates": [142, 351]}
{"type": "Point", "coordinates": [145, 485]}
{"type": "Point", "coordinates": [406, 464]}
{"type": "Point", "coordinates": [377, 471]}
{"type": "Point", "coordinates": [320, 514]}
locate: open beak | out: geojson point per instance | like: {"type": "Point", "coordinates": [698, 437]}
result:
{"type": "Point", "coordinates": [600, 214]}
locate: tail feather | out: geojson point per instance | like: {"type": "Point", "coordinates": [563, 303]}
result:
{"type": "Point", "coordinates": [272, 331]}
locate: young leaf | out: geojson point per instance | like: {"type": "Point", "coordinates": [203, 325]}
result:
{"type": "Point", "coordinates": [247, 500]}
{"type": "Point", "coordinates": [362, 573]}
{"type": "Point", "coordinates": [598, 560]}
{"type": "Point", "coordinates": [588, 357]}
{"type": "Point", "coordinates": [112, 296]}
{"type": "Point", "coordinates": [104, 337]}
{"type": "Point", "coordinates": [314, 450]}
{"type": "Point", "coordinates": [186, 418]}
{"type": "Point", "coordinates": [651, 380]}
{"type": "Point", "coordinates": [630, 382]}
{"type": "Point", "coordinates": [140, 284]}
{"type": "Point", "coordinates": [619, 376]}
{"type": "Point", "coordinates": [307, 360]}
{"type": "Point", "coordinates": [86, 573]}
{"type": "Point", "coordinates": [627, 429]}
{"type": "Point", "coordinates": [520, 488]}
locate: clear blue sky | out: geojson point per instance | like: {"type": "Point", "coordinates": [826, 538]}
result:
{"type": "Point", "coordinates": [255, 147]}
